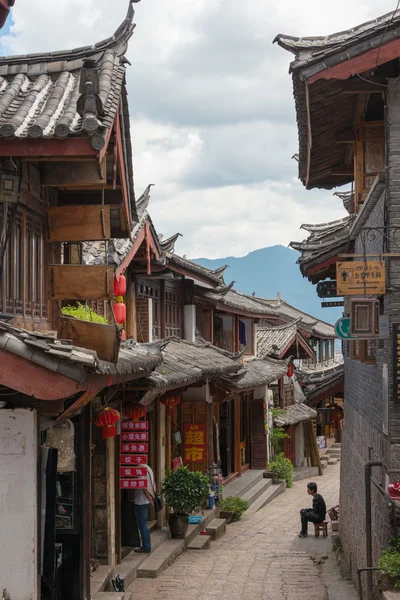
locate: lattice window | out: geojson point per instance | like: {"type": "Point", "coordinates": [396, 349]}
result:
{"type": "Point", "coordinates": [173, 311]}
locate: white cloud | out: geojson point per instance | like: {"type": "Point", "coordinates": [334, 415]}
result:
{"type": "Point", "coordinates": [213, 122]}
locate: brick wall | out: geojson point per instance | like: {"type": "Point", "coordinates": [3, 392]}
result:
{"type": "Point", "coordinates": [363, 436]}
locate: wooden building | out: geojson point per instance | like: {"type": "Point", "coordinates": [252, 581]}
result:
{"type": "Point", "coordinates": [346, 89]}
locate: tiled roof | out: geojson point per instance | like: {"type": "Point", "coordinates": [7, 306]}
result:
{"type": "Point", "coordinates": [325, 240]}
{"type": "Point", "coordinates": [296, 413]}
{"type": "Point", "coordinates": [274, 340]}
{"type": "Point", "coordinates": [255, 373]}
{"type": "Point", "coordinates": [311, 50]}
{"type": "Point", "coordinates": [320, 379]}
{"type": "Point", "coordinates": [185, 362]}
{"type": "Point", "coordinates": [215, 278]}
{"type": "Point", "coordinates": [74, 362]}
{"type": "Point", "coordinates": [53, 95]}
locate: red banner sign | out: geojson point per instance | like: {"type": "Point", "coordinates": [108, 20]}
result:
{"type": "Point", "coordinates": [134, 425]}
{"type": "Point", "coordinates": [133, 472]}
{"type": "Point", "coordinates": [139, 436]}
{"type": "Point", "coordinates": [133, 484]}
{"type": "Point", "coordinates": [194, 441]}
{"type": "Point", "coordinates": [135, 448]}
{"type": "Point", "coordinates": [133, 459]}
{"type": "Point", "coordinates": [129, 437]}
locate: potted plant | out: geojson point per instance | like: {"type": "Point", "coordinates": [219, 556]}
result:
{"type": "Point", "coordinates": [282, 469]}
{"type": "Point", "coordinates": [232, 508]}
{"type": "Point", "coordinates": [89, 330]}
{"type": "Point", "coordinates": [184, 491]}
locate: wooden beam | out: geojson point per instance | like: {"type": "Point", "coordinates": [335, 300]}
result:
{"type": "Point", "coordinates": [360, 64]}
{"type": "Point", "coordinates": [65, 174]}
{"type": "Point", "coordinates": [28, 147]}
{"type": "Point", "coordinates": [363, 86]}
{"type": "Point", "coordinates": [342, 170]}
{"type": "Point", "coordinates": [122, 172]}
{"type": "Point", "coordinates": [132, 251]}
{"type": "Point", "coordinates": [346, 136]}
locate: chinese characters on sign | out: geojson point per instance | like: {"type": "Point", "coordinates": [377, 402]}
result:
{"type": "Point", "coordinates": [134, 438]}
{"type": "Point", "coordinates": [359, 277]}
{"type": "Point", "coordinates": [396, 361]}
{"type": "Point", "coordinates": [194, 440]}
{"type": "Point", "coordinates": [133, 484]}
{"type": "Point", "coordinates": [134, 425]}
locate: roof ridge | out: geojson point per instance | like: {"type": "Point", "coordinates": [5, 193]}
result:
{"type": "Point", "coordinates": [120, 36]}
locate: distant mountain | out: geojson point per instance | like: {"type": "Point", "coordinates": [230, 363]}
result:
{"type": "Point", "coordinates": [268, 271]}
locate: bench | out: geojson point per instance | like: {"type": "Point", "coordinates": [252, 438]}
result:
{"type": "Point", "coordinates": [321, 527]}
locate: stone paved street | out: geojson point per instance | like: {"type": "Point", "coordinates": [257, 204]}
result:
{"type": "Point", "coordinates": [259, 558]}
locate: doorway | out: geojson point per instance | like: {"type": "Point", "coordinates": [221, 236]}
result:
{"type": "Point", "coordinates": [258, 439]}
{"type": "Point", "coordinates": [226, 442]}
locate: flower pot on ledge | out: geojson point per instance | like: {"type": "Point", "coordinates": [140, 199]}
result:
{"type": "Point", "coordinates": [178, 526]}
{"type": "Point", "coordinates": [104, 339]}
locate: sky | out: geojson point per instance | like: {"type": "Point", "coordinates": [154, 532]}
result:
{"type": "Point", "coordinates": [212, 109]}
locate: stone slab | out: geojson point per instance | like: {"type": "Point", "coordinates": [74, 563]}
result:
{"type": "Point", "coordinates": [271, 493]}
{"type": "Point", "coordinates": [160, 559]}
{"type": "Point", "coordinates": [256, 490]}
{"type": "Point", "coordinates": [201, 542]}
{"type": "Point", "coordinates": [128, 568]}
{"type": "Point", "coordinates": [216, 529]}
{"type": "Point", "coordinates": [241, 485]}
{"type": "Point", "coordinates": [108, 596]}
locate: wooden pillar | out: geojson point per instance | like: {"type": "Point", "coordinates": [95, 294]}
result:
{"type": "Point", "coordinates": [111, 501]}
{"type": "Point", "coordinates": [86, 541]}
{"type": "Point", "coordinates": [236, 440]}
{"type": "Point", "coordinates": [162, 309]}
{"type": "Point", "coordinates": [131, 323]}
{"type": "Point", "coordinates": [118, 498]}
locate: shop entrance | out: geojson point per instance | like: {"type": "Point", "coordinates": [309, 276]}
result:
{"type": "Point", "coordinates": [258, 443]}
{"type": "Point", "coordinates": [226, 444]}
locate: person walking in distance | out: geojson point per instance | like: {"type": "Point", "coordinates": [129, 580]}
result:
{"type": "Point", "coordinates": [141, 501]}
{"type": "Point", "coordinates": [316, 514]}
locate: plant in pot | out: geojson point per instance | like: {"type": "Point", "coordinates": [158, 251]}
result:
{"type": "Point", "coordinates": [184, 491]}
{"type": "Point", "coordinates": [232, 508]}
{"type": "Point", "coordinates": [282, 469]}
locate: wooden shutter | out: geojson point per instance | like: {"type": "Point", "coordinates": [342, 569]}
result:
{"type": "Point", "coordinates": [364, 317]}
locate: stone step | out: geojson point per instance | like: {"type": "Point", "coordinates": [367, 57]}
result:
{"type": "Point", "coordinates": [216, 529]}
{"type": "Point", "coordinates": [333, 452]}
{"type": "Point", "coordinates": [324, 464]}
{"type": "Point", "coordinates": [160, 559]}
{"type": "Point", "coordinates": [110, 596]}
{"type": "Point", "coordinates": [332, 461]}
{"type": "Point", "coordinates": [100, 578]}
{"type": "Point", "coordinates": [305, 473]}
{"type": "Point", "coordinates": [272, 492]}
{"type": "Point", "coordinates": [255, 492]}
{"type": "Point", "coordinates": [337, 445]}
{"type": "Point", "coordinates": [128, 568]}
{"type": "Point", "coordinates": [201, 542]}
{"type": "Point", "coordinates": [241, 485]}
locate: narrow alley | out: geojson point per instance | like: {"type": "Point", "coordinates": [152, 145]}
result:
{"type": "Point", "coordinates": [259, 558]}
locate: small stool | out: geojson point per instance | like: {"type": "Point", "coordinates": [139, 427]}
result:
{"type": "Point", "coordinates": [321, 527]}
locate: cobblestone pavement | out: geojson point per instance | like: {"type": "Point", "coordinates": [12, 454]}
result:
{"type": "Point", "coordinates": [260, 558]}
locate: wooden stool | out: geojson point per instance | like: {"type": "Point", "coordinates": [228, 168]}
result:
{"type": "Point", "coordinates": [321, 527]}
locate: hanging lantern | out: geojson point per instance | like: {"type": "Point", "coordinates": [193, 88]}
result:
{"type": "Point", "coordinates": [134, 412]}
{"type": "Point", "coordinates": [119, 310]}
{"type": "Point", "coordinates": [107, 420]}
{"type": "Point", "coordinates": [290, 370]}
{"type": "Point", "coordinates": [170, 402]}
{"type": "Point", "coordinates": [123, 335]}
{"type": "Point", "coordinates": [120, 286]}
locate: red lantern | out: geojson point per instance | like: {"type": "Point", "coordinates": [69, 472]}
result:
{"type": "Point", "coordinates": [135, 411]}
{"type": "Point", "coordinates": [123, 336]}
{"type": "Point", "coordinates": [120, 286]}
{"type": "Point", "coordinates": [290, 370]}
{"type": "Point", "coordinates": [107, 419]}
{"type": "Point", "coordinates": [170, 402]}
{"type": "Point", "coordinates": [119, 309]}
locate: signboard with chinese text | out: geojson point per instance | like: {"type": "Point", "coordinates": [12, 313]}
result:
{"type": "Point", "coordinates": [133, 459]}
{"type": "Point", "coordinates": [396, 362]}
{"type": "Point", "coordinates": [133, 472]}
{"type": "Point", "coordinates": [134, 448]}
{"type": "Point", "coordinates": [133, 484]}
{"type": "Point", "coordinates": [136, 436]}
{"type": "Point", "coordinates": [134, 425]}
{"type": "Point", "coordinates": [332, 303]}
{"type": "Point", "coordinates": [356, 278]}
{"type": "Point", "coordinates": [194, 441]}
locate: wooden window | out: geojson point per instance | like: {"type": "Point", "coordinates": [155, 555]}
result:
{"type": "Point", "coordinates": [151, 289]}
{"type": "Point", "coordinates": [364, 317]}
{"type": "Point", "coordinates": [173, 310]}
{"type": "Point", "coordinates": [22, 289]}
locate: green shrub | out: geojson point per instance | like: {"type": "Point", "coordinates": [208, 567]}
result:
{"type": "Point", "coordinates": [389, 562]}
{"type": "Point", "coordinates": [277, 433]}
{"type": "Point", "coordinates": [235, 505]}
{"type": "Point", "coordinates": [185, 491]}
{"type": "Point", "coordinates": [282, 469]}
{"type": "Point", "coordinates": [83, 312]}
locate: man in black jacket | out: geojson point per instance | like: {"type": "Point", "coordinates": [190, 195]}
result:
{"type": "Point", "coordinates": [316, 514]}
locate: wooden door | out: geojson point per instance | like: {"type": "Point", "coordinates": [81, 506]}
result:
{"type": "Point", "coordinates": [258, 440]}
{"type": "Point", "coordinates": [226, 442]}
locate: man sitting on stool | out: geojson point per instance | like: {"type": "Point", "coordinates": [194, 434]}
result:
{"type": "Point", "coordinates": [316, 514]}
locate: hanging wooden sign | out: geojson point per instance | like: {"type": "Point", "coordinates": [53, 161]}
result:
{"type": "Point", "coordinates": [355, 278]}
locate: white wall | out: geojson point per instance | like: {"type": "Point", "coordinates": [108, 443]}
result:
{"type": "Point", "coordinates": [18, 504]}
{"type": "Point", "coordinates": [189, 320]}
{"type": "Point", "coordinates": [299, 445]}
